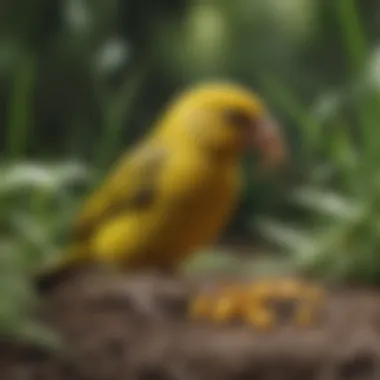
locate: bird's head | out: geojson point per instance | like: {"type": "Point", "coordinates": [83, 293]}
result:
{"type": "Point", "coordinates": [224, 118]}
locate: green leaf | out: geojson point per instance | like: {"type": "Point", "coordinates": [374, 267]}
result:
{"type": "Point", "coordinates": [20, 111]}
{"type": "Point", "coordinates": [330, 203]}
{"type": "Point", "coordinates": [291, 238]}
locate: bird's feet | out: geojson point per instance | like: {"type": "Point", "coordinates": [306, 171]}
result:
{"type": "Point", "coordinates": [263, 304]}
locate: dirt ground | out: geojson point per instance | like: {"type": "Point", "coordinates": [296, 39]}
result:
{"type": "Point", "coordinates": [137, 328]}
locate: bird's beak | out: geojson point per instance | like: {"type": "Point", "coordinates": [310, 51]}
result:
{"type": "Point", "coordinates": [268, 139]}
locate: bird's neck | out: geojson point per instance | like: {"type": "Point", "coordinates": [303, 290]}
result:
{"type": "Point", "coordinates": [214, 157]}
{"type": "Point", "coordinates": [223, 156]}
{"type": "Point", "coordinates": [214, 154]}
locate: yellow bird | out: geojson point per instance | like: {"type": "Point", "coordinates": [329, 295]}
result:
{"type": "Point", "coordinates": [176, 190]}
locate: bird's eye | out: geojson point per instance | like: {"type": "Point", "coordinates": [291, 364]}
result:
{"type": "Point", "coordinates": [238, 118]}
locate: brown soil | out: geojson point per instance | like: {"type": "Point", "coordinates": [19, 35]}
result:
{"type": "Point", "coordinates": [136, 328]}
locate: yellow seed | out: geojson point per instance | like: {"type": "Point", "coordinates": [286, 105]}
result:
{"type": "Point", "coordinates": [224, 310]}
{"type": "Point", "coordinates": [314, 294]}
{"type": "Point", "coordinates": [260, 318]}
{"type": "Point", "coordinates": [200, 307]}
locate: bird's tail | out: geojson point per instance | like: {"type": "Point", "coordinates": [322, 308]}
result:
{"type": "Point", "coordinates": [58, 272]}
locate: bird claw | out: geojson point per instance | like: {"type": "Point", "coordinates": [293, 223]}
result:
{"type": "Point", "coordinates": [263, 304]}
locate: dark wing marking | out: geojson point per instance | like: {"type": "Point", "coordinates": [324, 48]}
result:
{"type": "Point", "coordinates": [133, 186]}
{"type": "Point", "coordinates": [145, 188]}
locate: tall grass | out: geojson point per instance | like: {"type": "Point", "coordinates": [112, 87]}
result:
{"type": "Point", "coordinates": [342, 191]}
{"type": "Point", "coordinates": [38, 199]}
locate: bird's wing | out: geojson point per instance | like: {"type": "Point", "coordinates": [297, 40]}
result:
{"type": "Point", "coordinates": [132, 186]}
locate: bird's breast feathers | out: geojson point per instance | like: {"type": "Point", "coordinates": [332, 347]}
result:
{"type": "Point", "coordinates": [196, 200]}
{"type": "Point", "coordinates": [189, 181]}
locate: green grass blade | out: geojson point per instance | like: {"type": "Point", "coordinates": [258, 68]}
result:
{"type": "Point", "coordinates": [287, 101]}
{"type": "Point", "coordinates": [353, 34]}
{"type": "Point", "coordinates": [20, 110]}
{"type": "Point", "coordinates": [117, 109]}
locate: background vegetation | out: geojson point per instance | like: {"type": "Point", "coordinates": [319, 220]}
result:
{"type": "Point", "coordinates": [82, 80]}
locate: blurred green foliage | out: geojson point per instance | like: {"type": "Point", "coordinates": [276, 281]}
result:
{"type": "Point", "coordinates": [82, 80]}
{"type": "Point", "coordinates": [341, 241]}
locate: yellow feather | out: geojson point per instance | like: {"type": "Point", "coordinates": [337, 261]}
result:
{"type": "Point", "coordinates": [176, 190]}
